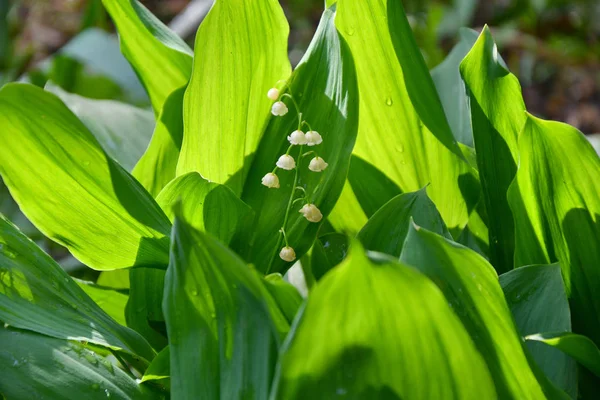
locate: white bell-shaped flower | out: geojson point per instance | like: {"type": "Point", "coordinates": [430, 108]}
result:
{"type": "Point", "coordinates": [297, 138]}
{"type": "Point", "coordinates": [311, 213]}
{"type": "Point", "coordinates": [279, 109]}
{"type": "Point", "coordinates": [287, 254]}
{"type": "Point", "coordinates": [286, 162]}
{"type": "Point", "coordinates": [313, 138]}
{"type": "Point", "coordinates": [317, 164]}
{"type": "Point", "coordinates": [273, 93]}
{"type": "Point", "coordinates": [271, 180]}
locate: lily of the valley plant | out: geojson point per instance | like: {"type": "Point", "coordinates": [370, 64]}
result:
{"type": "Point", "coordinates": [437, 258]}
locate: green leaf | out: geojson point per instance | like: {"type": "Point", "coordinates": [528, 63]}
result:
{"type": "Point", "coordinates": [34, 366]}
{"type": "Point", "coordinates": [286, 296]}
{"type": "Point", "coordinates": [555, 199]}
{"type": "Point", "coordinates": [226, 104]}
{"type": "Point", "coordinates": [402, 129]}
{"type": "Point", "coordinates": [451, 88]}
{"type": "Point", "coordinates": [91, 205]}
{"type": "Point", "coordinates": [422, 352]}
{"type": "Point", "coordinates": [122, 130]}
{"type": "Point", "coordinates": [160, 367]}
{"type": "Point", "coordinates": [579, 347]}
{"type": "Point", "coordinates": [222, 322]}
{"type": "Point", "coordinates": [538, 302]}
{"type": "Point", "coordinates": [348, 215]}
{"type": "Point", "coordinates": [323, 85]}
{"type": "Point", "coordinates": [471, 287]}
{"type": "Point", "coordinates": [207, 206]}
{"type": "Point", "coordinates": [162, 60]}
{"type": "Point", "coordinates": [387, 228]}
{"type": "Point", "coordinates": [328, 251]}
{"type": "Point", "coordinates": [117, 279]}
{"type": "Point", "coordinates": [497, 116]}
{"type": "Point", "coordinates": [157, 166]}
{"type": "Point", "coordinates": [112, 302]}
{"type": "Point", "coordinates": [36, 294]}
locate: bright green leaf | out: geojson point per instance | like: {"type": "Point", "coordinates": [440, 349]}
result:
{"type": "Point", "coordinates": [555, 199]}
{"type": "Point", "coordinates": [379, 331]}
{"type": "Point", "coordinates": [324, 85]}
{"type": "Point", "coordinates": [387, 228]}
{"type": "Point", "coordinates": [471, 287]}
{"type": "Point", "coordinates": [123, 130]}
{"type": "Point", "coordinates": [35, 366]}
{"type": "Point", "coordinates": [157, 166]}
{"type": "Point", "coordinates": [221, 320]}
{"type": "Point", "coordinates": [90, 204]}
{"type": "Point", "coordinates": [162, 60]}
{"type": "Point", "coordinates": [112, 302]}
{"type": "Point", "coordinates": [497, 116]}
{"type": "Point", "coordinates": [579, 347]}
{"type": "Point", "coordinates": [538, 302]}
{"type": "Point", "coordinates": [241, 52]}
{"type": "Point", "coordinates": [36, 294]}
{"type": "Point", "coordinates": [160, 367]}
{"type": "Point", "coordinates": [402, 129]}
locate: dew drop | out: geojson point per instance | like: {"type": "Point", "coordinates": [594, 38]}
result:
{"type": "Point", "coordinates": [107, 393]}
{"type": "Point", "coordinates": [400, 148]}
{"type": "Point", "coordinates": [194, 292]}
{"type": "Point", "coordinates": [86, 163]}
{"type": "Point", "coordinates": [350, 31]}
{"type": "Point", "coordinates": [108, 365]}
{"type": "Point", "coordinates": [389, 101]}
{"type": "Point", "coordinates": [95, 386]}
{"type": "Point", "coordinates": [213, 315]}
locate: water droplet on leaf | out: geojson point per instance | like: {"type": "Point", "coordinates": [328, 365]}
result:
{"type": "Point", "coordinates": [389, 101]}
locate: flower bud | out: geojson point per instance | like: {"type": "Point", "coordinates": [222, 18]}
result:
{"type": "Point", "coordinates": [271, 180]}
{"type": "Point", "coordinates": [313, 138]}
{"type": "Point", "coordinates": [317, 164]}
{"type": "Point", "coordinates": [286, 162]}
{"type": "Point", "coordinates": [279, 109]}
{"type": "Point", "coordinates": [287, 254]}
{"type": "Point", "coordinates": [297, 137]}
{"type": "Point", "coordinates": [273, 93]}
{"type": "Point", "coordinates": [311, 213]}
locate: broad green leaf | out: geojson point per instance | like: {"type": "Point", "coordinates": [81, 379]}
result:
{"type": "Point", "coordinates": [451, 88]}
{"type": "Point", "coordinates": [112, 302]}
{"type": "Point", "coordinates": [347, 214]}
{"type": "Point", "coordinates": [162, 60]}
{"type": "Point", "coordinates": [387, 228]}
{"type": "Point", "coordinates": [497, 116]}
{"type": "Point", "coordinates": [471, 287]}
{"type": "Point", "coordinates": [36, 294]}
{"type": "Point", "coordinates": [123, 130]}
{"type": "Point", "coordinates": [324, 87]}
{"type": "Point", "coordinates": [579, 347]}
{"type": "Point", "coordinates": [160, 367]}
{"type": "Point", "coordinates": [157, 166]}
{"type": "Point", "coordinates": [537, 300]}
{"type": "Point", "coordinates": [207, 206]}
{"type": "Point", "coordinates": [222, 322]}
{"type": "Point", "coordinates": [117, 279]}
{"type": "Point", "coordinates": [555, 199]}
{"type": "Point", "coordinates": [379, 331]}
{"type": "Point", "coordinates": [328, 251]}
{"type": "Point", "coordinates": [35, 366]}
{"type": "Point", "coordinates": [226, 104]}
{"type": "Point", "coordinates": [402, 129]}
{"type": "Point", "coordinates": [91, 205]}
{"type": "Point", "coordinates": [286, 296]}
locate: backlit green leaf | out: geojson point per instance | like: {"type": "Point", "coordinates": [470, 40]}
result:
{"type": "Point", "coordinates": [74, 193]}
{"type": "Point", "coordinates": [555, 199]}
{"type": "Point", "coordinates": [471, 287]}
{"type": "Point", "coordinates": [497, 116]}
{"type": "Point", "coordinates": [162, 60]}
{"type": "Point", "coordinates": [160, 367]}
{"type": "Point", "coordinates": [379, 331]}
{"type": "Point", "coordinates": [112, 302]}
{"type": "Point", "coordinates": [241, 52]}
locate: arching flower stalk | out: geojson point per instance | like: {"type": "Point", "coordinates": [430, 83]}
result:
{"type": "Point", "coordinates": [287, 162]}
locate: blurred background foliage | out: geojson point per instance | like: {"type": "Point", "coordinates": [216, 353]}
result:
{"type": "Point", "coordinates": [553, 46]}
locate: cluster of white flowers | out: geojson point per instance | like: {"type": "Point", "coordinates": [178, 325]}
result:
{"type": "Point", "coordinates": [287, 162]}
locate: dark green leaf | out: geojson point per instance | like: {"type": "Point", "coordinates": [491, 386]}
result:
{"type": "Point", "coordinates": [328, 251]}
{"type": "Point", "coordinates": [160, 367]}
{"type": "Point", "coordinates": [286, 296]}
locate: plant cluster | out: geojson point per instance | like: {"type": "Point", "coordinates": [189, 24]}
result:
{"type": "Point", "coordinates": [447, 240]}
